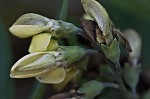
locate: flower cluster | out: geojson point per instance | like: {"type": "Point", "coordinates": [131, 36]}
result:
{"type": "Point", "coordinates": [47, 61]}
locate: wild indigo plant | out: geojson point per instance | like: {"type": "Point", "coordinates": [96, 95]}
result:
{"type": "Point", "coordinates": [51, 63]}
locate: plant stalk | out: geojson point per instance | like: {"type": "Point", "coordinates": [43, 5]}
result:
{"type": "Point", "coordinates": [38, 91]}
{"type": "Point", "coordinates": [116, 68]}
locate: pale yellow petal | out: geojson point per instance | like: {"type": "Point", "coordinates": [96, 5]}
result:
{"type": "Point", "coordinates": [55, 76]}
{"type": "Point", "coordinates": [40, 42]}
{"type": "Point", "coordinates": [72, 73]}
{"type": "Point", "coordinates": [31, 19]}
{"type": "Point", "coordinates": [24, 31]}
{"type": "Point", "coordinates": [86, 16]}
{"type": "Point", "coordinates": [53, 45]}
{"type": "Point", "coordinates": [32, 65]}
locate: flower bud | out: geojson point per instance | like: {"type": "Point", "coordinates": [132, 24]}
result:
{"type": "Point", "coordinates": [98, 13]}
{"type": "Point", "coordinates": [47, 67]}
{"type": "Point", "coordinates": [31, 24]}
{"type": "Point", "coordinates": [135, 43]}
{"type": "Point", "coordinates": [32, 65]}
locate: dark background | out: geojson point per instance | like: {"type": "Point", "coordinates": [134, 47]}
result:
{"type": "Point", "coordinates": [124, 13]}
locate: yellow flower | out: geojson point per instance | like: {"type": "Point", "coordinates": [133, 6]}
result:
{"type": "Point", "coordinates": [47, 67]}
{"type": "Point", "coordinates": [31, 24]}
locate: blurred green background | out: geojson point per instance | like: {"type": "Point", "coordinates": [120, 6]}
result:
{"type": "Point", "coordinates": [124, 13]}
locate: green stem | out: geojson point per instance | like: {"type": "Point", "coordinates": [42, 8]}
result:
{"type": "Point", "coordinates": [111, 85]}
{"type": "Point", "coordinates": [38, 91]}
{"type": "Point", "coordinates": [64, 10]}
{"type": "Point", "coordinates": [133, 90]}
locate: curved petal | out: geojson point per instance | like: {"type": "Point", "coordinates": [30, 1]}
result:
{"type": "Point", "coordinates": [40, 42]}
{"type": "Point", "coordinates": [70, 75]}
{"type": "Point", "coordinates": [53, 45]}
{"type": "Point", "coordinates": [24, 31]}
{"type": "Point", "coordinates": [32, 65]}
{"type": "Point", "coordinates": [31, 19]}
{"type": "Point", "coordinates": [55, 76]}
{"type": "Point", "coordinates": [43, 42]}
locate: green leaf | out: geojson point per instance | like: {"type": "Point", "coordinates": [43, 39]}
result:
{"type": "Point", "coordinates": [6, 84]}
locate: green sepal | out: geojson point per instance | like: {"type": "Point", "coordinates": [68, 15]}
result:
{"type": "Point", "coordinates": [73, 53]}
{"type": "Point", "coordinates": [131, 74]}
{"type": "Point", "coordinates": [91, 89]}
{"type": "Point", "coordinates": [112, 52]}
{"type": "Point", "coordinates": [66, 29]}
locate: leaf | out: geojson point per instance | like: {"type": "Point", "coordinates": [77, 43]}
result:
{"type": "Point", "coordinates": [32, 65]}
{"type": "Point", "coordinates": [55, 76]}
{"type": "Point", "coordinates": [6, 84]}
